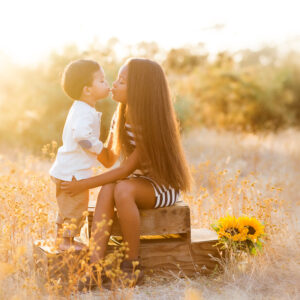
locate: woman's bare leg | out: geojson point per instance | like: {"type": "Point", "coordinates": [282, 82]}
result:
{"type": "Point", "coordinates": [130, 195]}
{"type": "Point", "coordinates": [104, 211]}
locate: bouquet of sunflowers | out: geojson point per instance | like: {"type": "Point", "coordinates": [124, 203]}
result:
{"type": "Point", "coordinates": [243, 233]}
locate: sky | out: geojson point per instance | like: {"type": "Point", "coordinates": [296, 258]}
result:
{"type": "Point", "coordinates": [31, 29]}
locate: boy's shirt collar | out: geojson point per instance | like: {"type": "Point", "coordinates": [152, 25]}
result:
{"type": "Point", "coordinates": [87, 106]}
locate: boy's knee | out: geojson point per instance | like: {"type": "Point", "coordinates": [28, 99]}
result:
{"type": "Point", "coordinates": [124, 192]}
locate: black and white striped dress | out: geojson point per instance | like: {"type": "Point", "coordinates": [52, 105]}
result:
{"type": "Point", "coordinates": [165, 196]}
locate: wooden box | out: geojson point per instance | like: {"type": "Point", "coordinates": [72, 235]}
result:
{"type": "Point", "coordinates": [55, 267]}
{"type": "Point", "coordinates": [167, 243]}
{"type": "Point", "coordinates": [167, 220]}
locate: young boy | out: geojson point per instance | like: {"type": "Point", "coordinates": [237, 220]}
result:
{"type": "Point", "coordinates": [83, 81]}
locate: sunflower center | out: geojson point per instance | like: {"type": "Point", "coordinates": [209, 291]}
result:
{"type": "Point", "coordinates": [251, 230]}
{"type": "Point", "coordinates": [232, 231]}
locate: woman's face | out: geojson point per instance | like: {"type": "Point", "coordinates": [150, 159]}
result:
{"type": "Point", "coordinates": [119, 89]}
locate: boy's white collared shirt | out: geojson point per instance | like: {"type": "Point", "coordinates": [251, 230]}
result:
{"type": "Point", "coordinates": [82, 125]}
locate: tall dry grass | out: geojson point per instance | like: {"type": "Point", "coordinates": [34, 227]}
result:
{"type": "Point", "coordinates": [256, 175]}
{"type": "Point", "coordinates": [235, 174]}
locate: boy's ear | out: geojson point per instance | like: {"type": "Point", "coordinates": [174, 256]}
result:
{"type": "Point", "coordinates": [86, 90]}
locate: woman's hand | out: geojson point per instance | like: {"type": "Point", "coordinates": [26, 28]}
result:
{"type": "Point", "coordinates": [125, 169]}
{"type": "Point", "coordinates": [73, 187]}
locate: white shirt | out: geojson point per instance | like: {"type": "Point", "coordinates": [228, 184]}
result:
{"type": "Point", "coordinates": [82, 127]}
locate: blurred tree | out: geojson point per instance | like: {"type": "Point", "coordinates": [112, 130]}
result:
{"type": "Point", "coordinates": [226, 96]}
{"type": "Point", "coordinates": [264, 56]}
{"type": "Point", "coordinates": [183, 61]}
{"type": "Point", "coordinates": [250, 91]}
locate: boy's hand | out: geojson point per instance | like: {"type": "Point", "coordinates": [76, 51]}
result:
{"type": "Point", "coordinates": [73, 187]}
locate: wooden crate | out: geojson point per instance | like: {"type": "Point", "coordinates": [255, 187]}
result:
{"type": "Point", "coordinates": [167, 244]}
{"type": "Point", "coordinates": [167, 220]}
{"type": "Point", "coordinates": [53, 266]}
{"type": "Point", "coordinates": [179, 254]}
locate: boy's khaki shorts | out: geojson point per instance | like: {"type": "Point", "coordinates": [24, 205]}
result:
{"type": "Point", "coordinates": [70, 209]}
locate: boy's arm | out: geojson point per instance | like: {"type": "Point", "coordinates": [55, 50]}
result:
{"type": "Point", "coordinates": [83, 134]}
{"type": "Point", "coordinates": [124, 170]}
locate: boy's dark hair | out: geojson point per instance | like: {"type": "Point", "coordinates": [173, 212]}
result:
{"type": "Point", "coordinates": [78, 74]}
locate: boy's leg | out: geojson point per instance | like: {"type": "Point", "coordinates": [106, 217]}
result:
{"type": "Point", "coordinates": [74, 208]}
{"type": "Point", "coordinates": [70, 217]}
{"type": "Point", "coordinates": [59, 219]}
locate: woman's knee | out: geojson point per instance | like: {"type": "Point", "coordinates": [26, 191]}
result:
{"type": "Point", "coordinates": [123, 192]}
{"type": "Point", "coordinates": [106, 192]}
{"type": "Point", "coordinates": [107, 187]}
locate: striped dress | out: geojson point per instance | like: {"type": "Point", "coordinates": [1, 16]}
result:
{"type": "Point", "coordinates": [165, 196]}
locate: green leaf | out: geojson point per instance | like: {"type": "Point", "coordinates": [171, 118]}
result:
{"type": "Point", "coordinates": [259, 245]}
{"type": "Point", "coordinates": [253, 251]}
{"type": "Point", "coordinates": [215, 227]}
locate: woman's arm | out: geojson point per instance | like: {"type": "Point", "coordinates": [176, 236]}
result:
{"type": "Point", "coordinates": [125, 169]}
{"type": "Point", "coordinates": [107, 156]}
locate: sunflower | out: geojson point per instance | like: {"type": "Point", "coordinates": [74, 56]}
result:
{"type": "Point", "coordinates": [254, 228]}
{"type": "Point", "coordinates": [230, 228]}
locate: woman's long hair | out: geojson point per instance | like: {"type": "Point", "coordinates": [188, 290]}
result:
{"type": "Point", "coordinates": [153, 120]}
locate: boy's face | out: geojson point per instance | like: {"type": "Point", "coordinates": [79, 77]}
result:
{"type": "Point", "coordinates": [99, 88]}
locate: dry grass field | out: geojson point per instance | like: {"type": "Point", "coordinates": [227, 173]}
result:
{"type": "Point", "coordinates": [256, 175]}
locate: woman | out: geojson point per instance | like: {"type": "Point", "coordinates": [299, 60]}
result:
{"type": "Point", "coordinates": [145, 133]}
